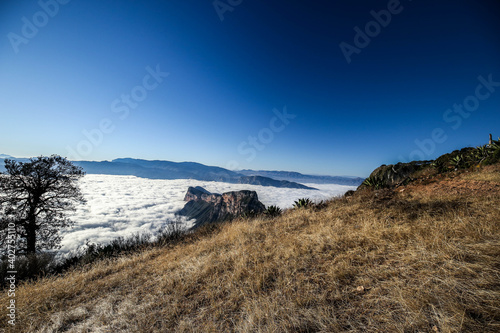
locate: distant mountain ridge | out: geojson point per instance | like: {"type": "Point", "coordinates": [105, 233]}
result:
{"type": "Point", "coordinates": [181, 170]}
{"type": "Point", "coordinates": [174, 170]}
{"type": "Point", "coordinates": [158, 169]}
{"type": "Point", "coordinates": [191, 170]}
{"type": "Point", "coordinates": [302, 178]}
{"type": "Point", "coordinates": [267, 181]}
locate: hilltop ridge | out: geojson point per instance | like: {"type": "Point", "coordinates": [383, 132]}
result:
{"type": "Point", "coordinates": [420, 257]}
{"type": "Point", "coordinates": [391, 176]}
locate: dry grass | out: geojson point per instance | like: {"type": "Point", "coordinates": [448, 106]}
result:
{"type": "Point", "coordinates": [486, 174]}
{"type": "Point", "coordinates": [376, 262]}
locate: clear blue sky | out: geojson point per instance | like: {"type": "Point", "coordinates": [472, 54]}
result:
{"type": "Point", "coordinates": [80, 65]}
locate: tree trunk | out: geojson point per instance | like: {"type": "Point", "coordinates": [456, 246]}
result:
{"type": "Point", "coordinates": [31, 228]}
{"type": "Point", "coordinates": [31, 239]}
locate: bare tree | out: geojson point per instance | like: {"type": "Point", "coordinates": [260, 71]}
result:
{"type": "Point", "coordinates": [35, 198]}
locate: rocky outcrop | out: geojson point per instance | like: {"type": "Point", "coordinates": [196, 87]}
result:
{"type": "Point", "coordinates": [208, 207]}
{"type": "Point", "coordinates": [395, 174]}
{"type": "Point", "coordinates": [390, 176]}
{"type": "Point", "coordinates": [197, 193]}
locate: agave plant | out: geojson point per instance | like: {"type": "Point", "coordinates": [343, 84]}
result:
{"type": "Point", "coordinates": [482, 152]}
{"type": "Point", "coordinates": [273, 211]}
{"type": "Point", "coordinates": [302, 203]}
{"type": "Point", "coordinates": [375, 182]}
{"type": "Point", "coordinates": [458, 161]}
{"type": "Point", "coordinates": [249, 214]}
{"type": "Point", "coordinates": [495, 146]}
{"type": "Point", "coordinates": [439, 165]}
{"type": "Point", "coordinates": [320, 205]}
{"type": "Point", "coordinates": [478, 155]}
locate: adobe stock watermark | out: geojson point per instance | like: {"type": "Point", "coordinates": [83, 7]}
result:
{"type": "Point", "coordinates": [31, 27]}
{"type": "Point", "coordinates": [121, 107]}
{"type": "Point", "coordinates": [253, 144]}
{"type": "Point", "coordinates": [372, 29]}
{"type": "Point", "coordinates": [454, 117]}
{"type": "Point", "coordinates": [11, 242]}
{"type": "Point", "coordinates": [223, 6]}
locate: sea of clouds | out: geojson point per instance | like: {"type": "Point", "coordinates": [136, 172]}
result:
{"type": "Point", "coordinates": [123, 206]}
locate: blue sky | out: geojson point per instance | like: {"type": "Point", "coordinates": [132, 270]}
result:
{"type": "Point", "coordinates": [268, 87]}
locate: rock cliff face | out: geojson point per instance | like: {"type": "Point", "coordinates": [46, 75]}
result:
{"type": "Point", "coordinates": [208, 207]}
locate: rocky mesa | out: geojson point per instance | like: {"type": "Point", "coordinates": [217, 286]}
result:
{"type": "Point", "coordinates": [206, 207]}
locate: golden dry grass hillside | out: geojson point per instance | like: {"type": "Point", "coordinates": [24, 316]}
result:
{"type": "Point", "coordinates": [420, 258]}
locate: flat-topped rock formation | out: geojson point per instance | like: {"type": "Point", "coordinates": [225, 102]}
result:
{"type": "Point", "coordinates": [208, 207]}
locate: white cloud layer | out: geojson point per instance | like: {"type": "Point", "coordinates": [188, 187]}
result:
{"type": "Point", "coordinates": [127, 205]}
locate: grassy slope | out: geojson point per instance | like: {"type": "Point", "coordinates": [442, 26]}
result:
{"type": "Point", "coordinates": [422, 259]}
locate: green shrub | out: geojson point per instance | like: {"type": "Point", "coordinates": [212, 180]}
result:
{"type": "Point", "coordinates": [32, 267]}
{"type": "Point", "coordinates": [28, 267]}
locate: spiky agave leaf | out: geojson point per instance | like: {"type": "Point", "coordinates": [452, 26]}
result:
{"type": "Point", "coordinates": [302, 203]}
{"type": "Point", "coordinates": [273, 211]}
